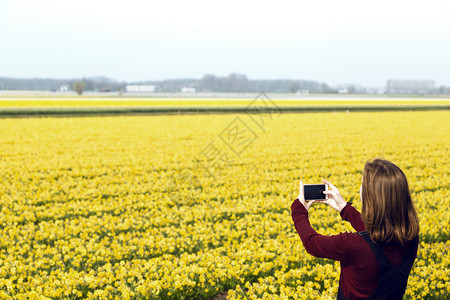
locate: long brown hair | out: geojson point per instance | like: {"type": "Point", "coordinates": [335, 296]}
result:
{"type": "Point", "coordinates": [387, 209]}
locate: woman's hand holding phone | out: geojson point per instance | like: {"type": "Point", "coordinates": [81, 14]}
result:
{"type": "Point", "coordinates": [301, 197]}
{"type": "Point", "coordinates": [335, 199]}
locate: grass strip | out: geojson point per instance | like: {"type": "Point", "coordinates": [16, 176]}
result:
{"type": "Point", "coordinates": [19, 112]}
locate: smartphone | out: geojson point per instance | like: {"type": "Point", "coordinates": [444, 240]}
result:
{"type": "Point", "coordinates": [315, 192]}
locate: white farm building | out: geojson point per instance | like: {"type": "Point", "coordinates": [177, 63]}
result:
{"type": "Point", "coordinates": [135, 88]}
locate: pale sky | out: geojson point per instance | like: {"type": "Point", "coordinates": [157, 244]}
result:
{"type": "Point", "coordinates": [328, 41]}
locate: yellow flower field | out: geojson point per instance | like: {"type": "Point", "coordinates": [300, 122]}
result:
{"type": "Point", "coordinates": [185, 207]}
{"type": "Point", "coordinates": [124, 101]}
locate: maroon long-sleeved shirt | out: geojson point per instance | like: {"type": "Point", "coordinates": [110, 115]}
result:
{"type": "Point", "coordinates": [359, 268]}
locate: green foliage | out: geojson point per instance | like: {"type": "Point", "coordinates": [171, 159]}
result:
{"type": "Point", "coordinates": [78, 87]}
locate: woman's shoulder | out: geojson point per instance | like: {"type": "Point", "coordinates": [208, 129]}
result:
{"type": "Point", "coordinates": [358, 250]}
{"type": "Point", "coordinates": [355, 241]}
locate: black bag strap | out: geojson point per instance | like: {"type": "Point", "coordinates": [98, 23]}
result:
{"type": "Point", "coordinates": [383, 261]}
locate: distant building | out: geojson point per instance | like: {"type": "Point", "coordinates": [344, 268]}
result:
{"type": "Point", "coordinates": [186, 89]}
{"type": "Point", "coordinates": [134, 88]}
{"type": "Point", "coordinates": [64, 88]}
{"type": "Point", "coordinates": [410, 87]}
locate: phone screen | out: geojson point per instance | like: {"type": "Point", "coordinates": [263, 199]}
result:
{"type": "Point", "coordinates": [314, 191]}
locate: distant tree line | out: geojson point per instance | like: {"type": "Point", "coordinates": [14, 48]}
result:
{"type": "Point", "coordinates": [444, 90]}
{"type": "Point", "coordinates": [240, 83]}
{"type": "Point", "coordinates": [208, 83]}
{"type": "Point", "coordinates": [99, 84]}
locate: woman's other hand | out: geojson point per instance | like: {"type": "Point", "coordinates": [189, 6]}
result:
{"type": "Point", "coordinates": [335, 199]}
{"type": "Point", "coordinates": [301, 198]}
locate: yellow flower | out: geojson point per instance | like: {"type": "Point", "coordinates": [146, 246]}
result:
{"type": "Point", "coordinates": [123, 207]}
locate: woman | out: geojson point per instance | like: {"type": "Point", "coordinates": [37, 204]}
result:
{"type": "Point", "coordinates": [375, 261]}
